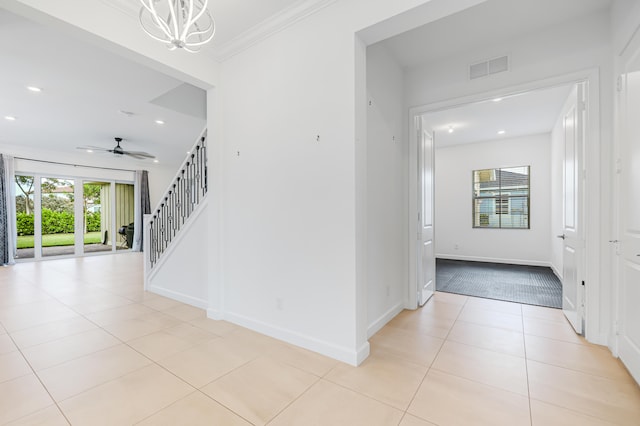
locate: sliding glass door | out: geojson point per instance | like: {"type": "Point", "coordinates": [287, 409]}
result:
{"type": "Point", "coordinates": [97, 226]}
{"type": "Point", "coordinates": [62, 216]}
{"type": "Point", "coordinates": [25, 211]}
{"type": "Point", "coordinates": [57, 216]}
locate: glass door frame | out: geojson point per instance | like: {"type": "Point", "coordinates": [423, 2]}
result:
{"type": "Point", "coordinates": [78, 182]}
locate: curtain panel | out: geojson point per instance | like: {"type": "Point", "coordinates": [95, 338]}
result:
{"type": "Point", "coordinates": [142, 206]}
{"type": "Point", "coordinates": [7, 211]}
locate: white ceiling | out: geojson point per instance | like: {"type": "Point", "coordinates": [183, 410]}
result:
{"type": "Point", "coordinates": [517, 115]}
{"type": "Point", "coordinates": [234, 17]}
{"type": "Point", "coordinates": [489, 23]}
{"type": "Point", "coordinates": [85, 88]}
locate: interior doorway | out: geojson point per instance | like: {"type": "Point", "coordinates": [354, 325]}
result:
{"type": "Point", "coordinates": [503, 234]}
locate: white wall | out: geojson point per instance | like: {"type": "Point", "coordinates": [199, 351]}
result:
{"type": "Point", "coordinates": [181, 272]}
{"type": "Point", "coordinates": [387, 263]}
{"type": "Point", "coordinates": [288, 217]}
{"type": "Point", "coordinates": [553, 51]}
{"type": "Point", "coordinates": [291, 232]}
{"type": "Point", "coordinates": [453, 205]}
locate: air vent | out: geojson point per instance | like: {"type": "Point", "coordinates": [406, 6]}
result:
{"type": "Point", "coordinates": [488, 67]}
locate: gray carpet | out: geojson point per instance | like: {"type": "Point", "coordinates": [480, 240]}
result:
{"type": "Point", "coordinates": [532, 285]}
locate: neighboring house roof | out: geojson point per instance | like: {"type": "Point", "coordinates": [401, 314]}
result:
{"type": "Point", "coordinates": [505, 179]}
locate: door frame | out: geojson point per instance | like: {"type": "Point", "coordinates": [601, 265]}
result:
{"type": "Point", "coordinates": [591, 260]}
{"type": "Point", "coordinates": [630, 52]}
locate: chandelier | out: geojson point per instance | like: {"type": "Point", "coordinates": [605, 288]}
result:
{"type": "Point", "coordinates": [181, 24]}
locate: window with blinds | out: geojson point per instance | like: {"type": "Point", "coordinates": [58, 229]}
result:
{"type": "Point", "coordinates": [501, 198]}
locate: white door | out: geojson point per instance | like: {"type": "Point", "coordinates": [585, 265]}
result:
{"type": "Point", "coordinates": [426, 253]}
{"type": "Point", "coordinates": [629, 232]}
{"type": "Point", "coordinates": [572, 235]}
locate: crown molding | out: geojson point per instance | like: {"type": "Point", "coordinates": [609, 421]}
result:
{"type": "Point", "coordinates": [268, 27]}
{"type": "Point", "coordinates": [274, 24]}
{"type": "Point", "coordinates": [128, 7]}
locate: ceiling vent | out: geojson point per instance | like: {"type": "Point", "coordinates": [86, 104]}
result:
{"type": "Point", "coordinates": [491, 66]}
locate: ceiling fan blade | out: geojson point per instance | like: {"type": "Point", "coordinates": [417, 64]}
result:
{"type": "Point", "coordinates": [139, 154]}
{"type": "Point", "coordinates": [95, 148]}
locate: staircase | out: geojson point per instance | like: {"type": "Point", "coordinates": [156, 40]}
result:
{"type": "Point", "coordinates": [174, 234]}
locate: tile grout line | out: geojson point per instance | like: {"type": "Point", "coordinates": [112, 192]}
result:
{"type": "Point", "coordinates": [526, 367]}
{"type": "Point", "coordinates": [100, 350]}
{"type": "Point", "coordinates": [291, 402]}
{"type": "Point", "coordinates": [444, 340]}
{"type": "Point", "coordinates": [41, 384]}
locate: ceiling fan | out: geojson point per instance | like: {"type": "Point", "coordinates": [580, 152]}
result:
{"type": "Point", "coordinates": [118, 151]}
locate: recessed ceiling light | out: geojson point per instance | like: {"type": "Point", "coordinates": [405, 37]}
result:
{"type": "Point", "coordinates": [502, 132]}
{"type": "Point", "coordinates": [450, 129]}
{"type": "Point", "coordinates": [34, 89]}
{"type": "Point", "coordinates": [188, 152]}
{"type": "Point", "coordinates": [497, 99]}
{"type": "Point", "coordinates": [159, 122]}
{"type": "Point", "coordinates": [89, 150]}
{"type": "Point", "coordinates": [9, 117]}
{"type": "Point", "coordinates": [156, 161]}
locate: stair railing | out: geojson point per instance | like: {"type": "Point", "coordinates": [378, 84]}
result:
{"type": "Point", "coordinates": [187, 190]}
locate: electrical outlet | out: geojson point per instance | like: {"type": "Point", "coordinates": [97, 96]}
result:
{"type": "Point", "coordinates": [279, 304]}
{"type": "Point", "coordinates": [456, 247]}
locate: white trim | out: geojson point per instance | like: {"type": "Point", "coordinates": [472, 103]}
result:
{"type": "Point", "coordinates": [591, 205]}
{"type": "Point", "coordinates": [630, 358]}
{"type": "Point", "coordinates": [524, 262]}
{"type": "Point", "coordinates": [555, 270]}
{"type": "Point", "coordinates": [215, 314]}
{"type": "Point", "coordinates": [180, 297]}
{"type": "Point", "coordinates": [272, 25]}
{"type": "Point", "coordinates": [384, 319]}
{"type": "Point", "coordinates": [341, 353]}
{"type": "Point", "coordinates": [127, 7]}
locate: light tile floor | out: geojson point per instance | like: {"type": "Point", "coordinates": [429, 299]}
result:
{"type": "Point", "coordinates": [81, 343]}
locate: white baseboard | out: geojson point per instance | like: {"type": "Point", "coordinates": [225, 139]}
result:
{"type": "Point", "coordinates": [384, 319]}
{"type": "Point", "coordinates": [180, 297]}
{"type": "Point", "coordinates": [495, 260]}
{"type": "Point", "coordinates": [214, 314]}
{"type": "Point", "coordinates": [556, 272]}
{"type": "Point", "coordinates": [340, 353]}
{"type": "Point", "coordinates": [363, 353]}
{"type": "Point", "coordinates": [601, 339]}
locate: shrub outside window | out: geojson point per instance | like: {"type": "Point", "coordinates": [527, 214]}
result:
{"type": "Point", "coordinates": [501, 198]}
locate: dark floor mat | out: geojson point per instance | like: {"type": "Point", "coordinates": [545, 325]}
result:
{"type": "Point", "coordinates": [532, 285]}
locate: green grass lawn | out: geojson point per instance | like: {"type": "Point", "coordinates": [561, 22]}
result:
{"type": "Point", "coordinates": [56, 240]}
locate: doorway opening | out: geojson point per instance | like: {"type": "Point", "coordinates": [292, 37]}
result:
{"type": "Point", "coordinates": [508, 178]}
